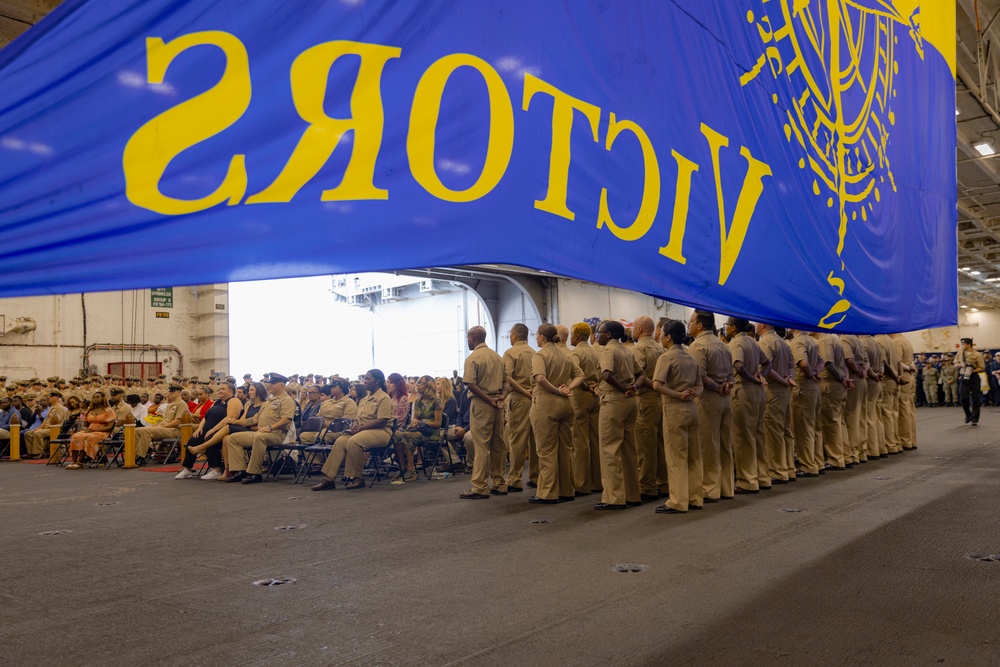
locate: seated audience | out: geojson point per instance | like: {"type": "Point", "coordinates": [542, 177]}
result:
{"type": "Point", "coordinates": [100, 421]}
{"type": "Point", "coordinates": [207, 438]}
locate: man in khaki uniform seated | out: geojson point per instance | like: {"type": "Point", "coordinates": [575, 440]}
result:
{"type": "Point", "coordinates": [36, 441]}
{"type": "Point", "coordinates": [272, 422]}
{"type": "Point", "coordinates": [174, 410]}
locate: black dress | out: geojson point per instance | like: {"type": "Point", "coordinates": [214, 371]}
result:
{"type": "Point", "coordinates": [215, 414]}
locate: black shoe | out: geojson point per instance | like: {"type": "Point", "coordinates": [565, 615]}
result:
{"type": "Point", "coordinates": [582, 493]}
{"type": "Point", "coordinates": [975, 422]}
{"type": "Point", "coordinates": [514, 489]}
{"type": "Point", "coordinates": [597, 490]}
{"type": "Point", "coordinates": [711, 500]}
{"type": "Point", "coordinates": [779, 481]}
{"type": "Point", "coordinates": [494, 492]}
{"type": "Point", "coordinates": [662, 494]}
{"type": "Point", "coordinates": [663, 509]}
{"type": "Point", "coordinates": [968, 419]}
{"type": "Point", "coordinates": [535, 500]}
{"type": "Point", "coordinates": [695, 507]}
{"type": "Point", "coordinates": [645, 497]}
{"type": "Point", "coordinates": [726, 497]}
{"type": "Point", "coordinates": [252, 479]}
{"type": "Point", "coordinates": [765, 488]}
{"type": "Point", "coordinates": [793, 479]}
{"type": "Point", "coordinates": [566, 499]}
{"type": "Point", "coordinates": [472, 495]}
{"type": "Point", "coordinates": [532, 485]}
{"type": "Point", "coordinates": [883, 456]}
{"type": "Point", "coordinates": [741, 491]}
{"type": "Point", "coordinates": [608, 506]}
{"type": "Point", "coordinates": [237, 477]}
{"type": "Point", "coordinates": [837, 468]}
{"type": "Point", "coordinates": [633, 503]}
{"type": "Point", "coordinates": [325, 485]}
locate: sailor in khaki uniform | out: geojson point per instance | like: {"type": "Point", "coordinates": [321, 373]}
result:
{"type": "Point", "coordinates": [677, 379]}
{"type": "Point", "coordinates": [555, 375]}
{"type": "Point", "coordinates": [649, 415]}
{"type": "Point", "coordinates": [272, 422]}
{"type": "Point", "coordinates": [875, 441]}
{"type": "Point", "coordinates": [749, 367]}
{"type": "Point", "coordinates": [338, 406]}
{"type": "Point", "coordinates": [715, 410]}
{"type": "Point", "coordinates": [37, 440]}
{"type": "Point", "coordinates": [888, 406]}
{"type": "Point", "coordinates": [779, 443]}
{"type": "Point", "coordinates": [852, 426]}
{"type": "Point", "coordinates": [486, 379]}
{"type": "Point", "coordinates": [371, 429]}
{"type": "Point", "coordinates": [906, 422]}
{"type": "Point", "coordinates": [174, 410]}
{"type": "Point", "coordinates": [833, 389]}
{"type": "Point", "coordinates": [806, 405]}
{"type": "Point", "coordinates": [586, 414]}
{"type": "Point", "coordinates": [619, 469]}
{"type": "Point", "coordinates": [517, 366]}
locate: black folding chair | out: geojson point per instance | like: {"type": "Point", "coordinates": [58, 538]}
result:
{"type": "Point", "coordinates": [430, 450]}
{"type": "Point", "coordinates": [314, 456]}
{"type": "Point", "coordinates": [381, 460]}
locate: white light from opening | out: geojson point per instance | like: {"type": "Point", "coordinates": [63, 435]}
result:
{"type": "Point", "coordinates": [965, 268]}
{"type": "Point", "coordinates": [975, 273]}
{"type": "Point", "coordinates": [975, 310]}
{"type": "Point", "coordinates": [964, 307]}
{"type": "Point", "coordinates": [984, 148]}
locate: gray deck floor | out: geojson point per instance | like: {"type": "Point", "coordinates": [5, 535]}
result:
{"type": "Point", "coordinates": [158, 571]}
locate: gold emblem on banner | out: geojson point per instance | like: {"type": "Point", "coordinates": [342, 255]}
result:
{"type": "Point", "coordinates": [837, 58]}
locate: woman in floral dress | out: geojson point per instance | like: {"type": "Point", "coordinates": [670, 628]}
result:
{"type": "Point", "coordinates": [100, 420]}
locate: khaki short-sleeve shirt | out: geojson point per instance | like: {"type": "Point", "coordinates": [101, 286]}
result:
{"type": "Point", "coordinates": [616, 358]}
{"type": "Point", "coordinates": [779, 352]}
{"type": "Point", "coordinates": [517, 362]}
{"type": "Point", "coordinates": [555, 364]}
{"type": "Point", "coordinates": [589, 361]}
{"type": "Point", "coordinates": [378, 406]}
{"type": "Point", "coordinates": [344, 408]}
{"type": "Point", "coordinates": [485, 369]}
{"type": "Point", "coordinates": [804, 348]}
{"type": "Point", "coordinates": [274, 410]}
{"type": "Point", "coordinates": [646, 351]}
{"type": "Point", "coordinates": [713, 357]}
{"type": "Point", "coordinates": [678, 370]}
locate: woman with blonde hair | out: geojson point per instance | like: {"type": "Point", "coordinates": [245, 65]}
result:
{"type": "Point", "coordinates": [100, 420]}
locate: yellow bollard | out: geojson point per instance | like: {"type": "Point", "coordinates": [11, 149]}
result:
{"type": "Point", "coordinates": [129, 432]}
{"type": "Point", "coordinates": [186, 431]}
{"type": "Point", "coordinates": [53, 445]}
{"type": "Point", "coordinates": [15, 438]}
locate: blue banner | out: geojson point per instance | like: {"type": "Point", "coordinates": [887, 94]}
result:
{"type": "Point", "coordinates": [785, 161]}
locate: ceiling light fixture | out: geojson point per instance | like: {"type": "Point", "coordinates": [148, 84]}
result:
{"type": "Point", "coordinates": [964, 307]}
{"type": "Point", "coordinates": [975, 273]}
{"type": "Point", "coordinates": [984, 148]}
{"type": "Point", "coordinates": [965, 268]}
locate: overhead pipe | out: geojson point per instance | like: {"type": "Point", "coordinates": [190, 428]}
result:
{"type": "Point", "coordinates": [128, 347]}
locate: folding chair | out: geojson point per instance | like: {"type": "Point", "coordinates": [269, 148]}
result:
{"type": "Point", "coordinates": [430, 450]}
{"type": "Point", "coordinates": [157, 455]}
{"type": "Point", "coordinates": [61, 453]}
{"type": "Point", "coordinates": [111, 445]}
{"type": "Point", "coordinates": [314, 456]}
{"type": "Point", "coordinates": [381, 460]}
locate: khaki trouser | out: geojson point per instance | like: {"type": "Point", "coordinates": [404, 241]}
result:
{"type": "Point", "coordinates": [906, 422]}
{"type": "Point", "coordinates": [875, 444]}
{"type": "Point", "coordinates": [715, 432]}
{"type": "Point", "coordinates": [551, 423]}
{"type": "Point", "coordinates": [778, 429]}
{"type": "Point", "coordinates": [649, 450]}
{"type": "Point", "coordinates": [586, 441]}
{"type": "Point", "coordinates": [486, 425]}
{"type": "Point", "coordinates": [37, 441]}
{"type": "Point", "coordinates": [887, 412]}
{"type": "Point", "coordinates": [257, 442]}
{"type": "Point", "coordinates": [852, 433]}
{"type": "Point", "coordinates": [931, 391]}
{"type": "Point", "coordinates": [748, 433]}
{"type": "Point", "coordinates": [831, 411]}
{"type": "Point", "coordinates": [619, 469]}
{"type": "Point", "coordinates": [518, 436]}
{"type": "Point", "coordinates": [144, 438]}
{"type": "Point", "coordinates": [805, 411]}
{"type": "Point", "coordinates": [470, 450]}
{"type": "Point", "coordinates": [349, 451]}
{"type": "Point", "coordinates": [950, 391]}
{"type": "Point", "coordinates": [682, 446]}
